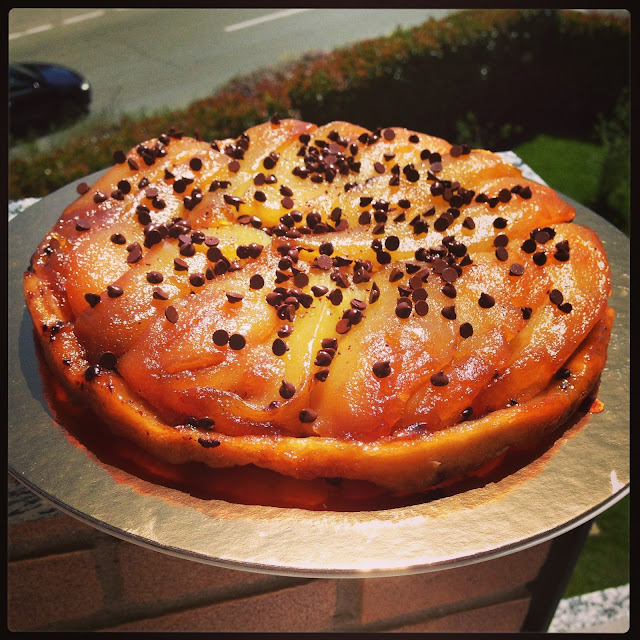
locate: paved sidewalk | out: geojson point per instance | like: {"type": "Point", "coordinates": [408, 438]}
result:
{"type": "Point", "coordinates": [604, 611]}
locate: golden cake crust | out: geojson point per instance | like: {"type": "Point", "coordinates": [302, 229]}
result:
{"type": "Point", "coordinates": [323, 302]}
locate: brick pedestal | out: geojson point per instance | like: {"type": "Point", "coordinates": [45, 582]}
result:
{"type": "Point", "coordinates": [66, 575]}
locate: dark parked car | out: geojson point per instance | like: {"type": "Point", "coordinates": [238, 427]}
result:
{"type": "Point", "coordinates": [41, 95]}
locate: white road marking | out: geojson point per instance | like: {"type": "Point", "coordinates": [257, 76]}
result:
{"type": "Point", "coordinates": [84, 16]}
{"type": "Point", "coordinates": [45, 27]}
{"type": "Point", "coordinates": [28, 32]}
{"type": "Point", "coordinates": [272, 16]}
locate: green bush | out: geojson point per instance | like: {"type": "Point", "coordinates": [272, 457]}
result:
{"type": "Point", "coordinates": [613, 199]}
{"type": "Point", "coordinates": [490, 78]}
{"type": "Point", "coordinates": [494, 74]}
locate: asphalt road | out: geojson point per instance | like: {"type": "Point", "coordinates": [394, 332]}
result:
{"type": "Point", "coordinates": [142, 60]}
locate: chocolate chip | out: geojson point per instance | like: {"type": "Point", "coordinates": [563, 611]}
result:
{"type": "Point", "coordinates": [154, 277]}
{"type": "Point", "coordinates": [403, 308]}
{"type": "Point", "coordinates": [343, 325]}
{"type": "Point", "coordinates": [391, 243]}
{"type": "Point", "coordinates": [421, 294]}
{"type": "Point", "coordinates": [422, 307]}
{"type": "Point", "coordinates": [486, 301]}
{"type": "Point", "coordinates": [321, 375]}
{"type": "Point", "coordinates": [135, 253]}
{"type": "Point", "coordinates": [287, 390]}
{"type": "Point", "coordinates": [516, 269]}
{"type": "Point", "coordinates": [301, 280]}
{"type": "Point", "coordinates": [329, 343]}
{"type": "Point", "coordinates": [565, 307]}
{"type": "Point", "coordinates": [382, 368]}
{"type": "Point", "coordinates": [160, 294]}
{"type": "Point", "coordinates": [108, 360]}
{"type": "Point", "coordinates": [234, 201]}
{"type": "Point", "coordinates": [323, 358]}
{"type": "Point", "coordinates": [500, 223]}
{"type": "Point", "coordinates": [525, 192]}
{"type": "Point", "coordinates": [502, 254]}
{"type": "Point", "coordinates": [279, 347]}
{"type": "Point", "coordinates": [270, 161]}
{"type": "Point", "coordinates": [180, 265]}
{"type": "Point", "coordinates": [466, 330]}
{"type": "Point", "coordinates": [237, 341]}
{"type": "Point", "coordinates": [526, 312]}
{"type": "Point", "coordinates": [118, 238]}
{"type": "Point", "coordinates": [556, 297]}
{"type": "Point", "coordinates": [319, 291]}
{"type": "Point", "coordinates": [449, 312]}
{"type": "Point", "coordinates": [374, 294]}
{"type": "Point", "coordinates": [114, 291]}
{"type": "Point", "coordinates": [256, 281]}
{"type": "Point", "coordinates": [335, 297]}
{"type": "Point", "coordinates": [208, 444]}
{"type": "Point", "coordinates": [412, 175]}
{"type": "Point", "coordinates": [449, 290]}
{"type": "Point", "coordinates": [195, 164]}
{"type": "Point", "coordinates": [308, 415]}
{"type": "Point", "coordinates": [205, 423]}
{"type": "Point", "coordinates": [91, 372]}
{"type": "Point", "coordinates": [449, 274]}
{"type": "Point", "coordinates": [220, 337]}
{"type": "Point", "coordinates": [187, 250]}
{"type": "Point", "coordinates": [439, 379]}
{"type": "Point", "coordinates": [196, 279]}
{"type": "Point", "coordinates": [541, 237]}
{"type": "Point", "coordinates": [171, 314]}
{"type": "Point", "coordinates": [323, 262]}
{"type": "Point", "coordinates": [540, 258]}
{"type": "Point", "coordinates": [92, 298]}
{"type": "Point", "coordinates": [234, 297]}
{"type": "Point", "coordinates": [442, 222]}
{"type": "Point", "coordinates": [83, 225]}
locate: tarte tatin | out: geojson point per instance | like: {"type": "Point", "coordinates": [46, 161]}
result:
{"type": "Point", "coordinates": [323, 301]}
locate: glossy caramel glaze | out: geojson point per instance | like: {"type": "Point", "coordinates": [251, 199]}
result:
{"type": "Point", "coordinates": [323, 302]}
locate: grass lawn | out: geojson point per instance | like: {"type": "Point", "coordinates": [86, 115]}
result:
{"type": "Point", "coordinates": [604, 561]}
{"type": "Point", "coordinates": [569, 166]}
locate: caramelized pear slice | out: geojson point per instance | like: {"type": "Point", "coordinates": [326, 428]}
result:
{"type": "Point", "coordinates": [571, 305]}
{"type": "Point", "coordinates": [363, 398]}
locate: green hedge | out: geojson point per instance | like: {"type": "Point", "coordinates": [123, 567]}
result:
{"type": "Point", "coordinates": [489, 78]}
